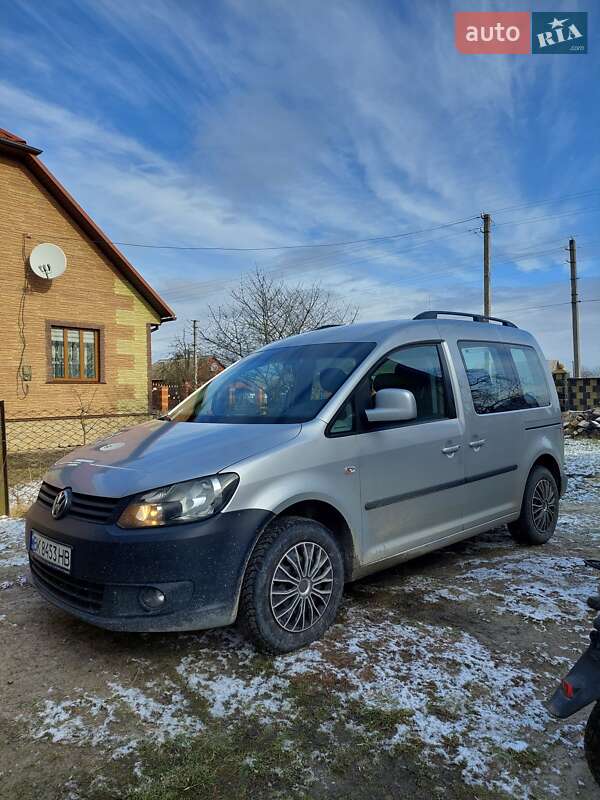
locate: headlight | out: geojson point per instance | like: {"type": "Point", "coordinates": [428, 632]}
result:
{"type": "Point", "coordinates": [181, 502]}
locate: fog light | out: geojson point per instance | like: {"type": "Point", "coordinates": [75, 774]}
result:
{"type": "Point", "coordinates": [152, 599]}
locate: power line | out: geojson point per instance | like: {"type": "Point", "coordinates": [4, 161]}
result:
{"type": "Point", "coordinates": [202, 248]}
{"type": "Point", "coordinates": [321, 262]}
{"type": "Point", "coordinates": [575, 196]}
{"type": "Point", "coordinates": [550, 305]}
{"type": "Point", "coordinates": [210, 287]}
{"type": "Point", "coordinates": [371, 239]}
{"type": "Point", "coordinates": [548, 216]}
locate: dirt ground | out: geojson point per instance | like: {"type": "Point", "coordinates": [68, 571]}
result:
{"type": "Point", "coordinates": [431, 684]}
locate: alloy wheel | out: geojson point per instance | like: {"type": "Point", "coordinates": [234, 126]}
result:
{"type": "Point", "coordinates": [301, 587]}
{"type": "Point", "coordinates": [543, 505]}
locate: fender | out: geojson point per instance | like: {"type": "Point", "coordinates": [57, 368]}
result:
{"type": "Point", "coordinates": [579, 688]}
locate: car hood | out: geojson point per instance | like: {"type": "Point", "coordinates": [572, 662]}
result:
{"type": "Point", "coordinates": [159, 453]}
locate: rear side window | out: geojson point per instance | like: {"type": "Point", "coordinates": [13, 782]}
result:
{"type": "Point", "coordinates": [503, 377]}
{"type": "Point", "coordinates": [531, 376]}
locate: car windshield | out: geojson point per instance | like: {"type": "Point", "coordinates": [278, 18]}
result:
{"type": "Point", "coordinates": [280, 384]}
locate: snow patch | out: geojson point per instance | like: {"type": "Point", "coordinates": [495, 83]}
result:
{"type": "Point", "coordinates": [91, 720]}
{"type": "Point", "coordinates": [582, 465]}
{"type": "Point", "coordinates": [230, 695]}
{"type": "Point", "coordinates": [12, 543]}
{"type": "Point", "coordinates": [541, 588]}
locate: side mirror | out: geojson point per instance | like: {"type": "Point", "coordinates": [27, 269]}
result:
{"type": "Point", "coordinates": [393, 405]}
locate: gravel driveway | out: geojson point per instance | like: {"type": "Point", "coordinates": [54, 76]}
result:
{"type": "Point", "coordinates": [432, 683]}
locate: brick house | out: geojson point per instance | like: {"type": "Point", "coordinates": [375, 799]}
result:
{"type": "Point", "coordinates": [208, 367]}
{"type": "Point", "coordinates": [82, 338]}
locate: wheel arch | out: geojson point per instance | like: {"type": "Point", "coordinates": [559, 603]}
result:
{"type": "Point", "coordinates": [333, 519]}
{"type": "Point", "coordinates": [549, 461]}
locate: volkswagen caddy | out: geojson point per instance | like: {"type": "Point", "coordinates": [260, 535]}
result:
{"type": "Point", "coordinates": [316, 460]}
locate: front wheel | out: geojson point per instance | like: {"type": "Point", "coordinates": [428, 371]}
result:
{"type": "Point", "coordinates": [591, 742]}
{"type": "Point", "coordinates": [292, 586]}
{"type": "Point", "coordinates": [539, 512]}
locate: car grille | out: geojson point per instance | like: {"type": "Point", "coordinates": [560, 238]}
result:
{"type": "Point", "coordinates": [83, 506]}
{"type": "Point", "coordinates": [82, 594]}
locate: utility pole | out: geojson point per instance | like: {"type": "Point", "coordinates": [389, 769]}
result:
{"type": "Point", "coordinates": [487, 292]}
{"type": "Point", "coordinates": [574, 307]}
{"type": "Point", "coordinates": [195, 351]}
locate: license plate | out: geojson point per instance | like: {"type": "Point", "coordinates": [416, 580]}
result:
{"type": "Point", "coordinates": [59, 555]}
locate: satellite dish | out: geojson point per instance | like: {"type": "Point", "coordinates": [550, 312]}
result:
{"type": "Point", "coordinates": [47, 261]}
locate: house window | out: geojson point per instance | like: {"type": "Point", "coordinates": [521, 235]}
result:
{"type": "Point", "coordinates": [74, 354]}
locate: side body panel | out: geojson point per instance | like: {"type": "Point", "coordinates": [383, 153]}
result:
{"type": "Point", "coordinates": [413, 492]}
{"type": "Point", "coordinates": [501, 448]}
{"type": "Point", "coordinates": [491, 455]}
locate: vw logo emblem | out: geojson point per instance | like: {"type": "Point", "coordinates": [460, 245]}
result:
{"type": "Point", "coordinates": [62, 503]}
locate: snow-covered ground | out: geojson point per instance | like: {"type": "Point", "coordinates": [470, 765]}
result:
{"type": "Point", "coordinates": [459, 649]}
{"type": "Point", "coordinates": [582, 464]}
{"type": "Point", "coordinates": [12, 544]}
{"type": "Point", "coordinates": [22, 495]}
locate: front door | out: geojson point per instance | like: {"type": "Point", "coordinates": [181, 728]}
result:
{"type": "Point", "coordinates": [412, 473]}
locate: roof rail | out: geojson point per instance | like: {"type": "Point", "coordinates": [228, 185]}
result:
{"type": "Point", "coordinates": [474, 317]}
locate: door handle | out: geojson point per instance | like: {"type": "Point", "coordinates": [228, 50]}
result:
{"type": "Point", "coordinates": [477, 444]}
{"type": "Point", "coordinates": [449, 451]}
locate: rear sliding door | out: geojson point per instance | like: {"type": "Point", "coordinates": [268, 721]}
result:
{"type": "Point", "coordinates": [503, 383]}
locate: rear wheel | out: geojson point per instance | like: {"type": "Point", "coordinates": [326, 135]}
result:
{"type": "Point", "coordinates": [591, 742]}
{"type": "Point", "coordinates": [293, 585]}
{"type": "Point", "coordinates": [539, 512]}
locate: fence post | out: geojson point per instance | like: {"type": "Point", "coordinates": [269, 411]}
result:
{"type": "Point", "coordinates": [3, 464]}
{"type": "Point", "coordinates": [164, 399]}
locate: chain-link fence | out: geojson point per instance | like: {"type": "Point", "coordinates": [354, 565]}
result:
{"type": "Point", "coordinates": [33, 444]}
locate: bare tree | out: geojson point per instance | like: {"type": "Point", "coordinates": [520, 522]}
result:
{"type": "Point", "coordinates": [178, 367]}
{"type": "Point", "coordinates": [85, 406]}
{"type": "Point", "coordinates": [264, 309]}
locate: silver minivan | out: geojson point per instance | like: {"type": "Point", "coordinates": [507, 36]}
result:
{"type": "Point", "coordinates": [316, 460]}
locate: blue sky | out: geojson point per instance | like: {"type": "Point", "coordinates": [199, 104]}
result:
{"type": "Point", "coordinates": [255, 124]}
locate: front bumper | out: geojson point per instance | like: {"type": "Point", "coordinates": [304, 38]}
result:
{"type": "Point", "coordinates": [199, 568]}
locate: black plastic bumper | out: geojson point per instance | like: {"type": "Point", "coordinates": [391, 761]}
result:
{"type": "Point", "coordinates": [198, 566]}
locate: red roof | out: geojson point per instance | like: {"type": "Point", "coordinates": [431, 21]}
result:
{"type": "Point", "coordinates": [4, 134]}
{"type": "Point", "coordinates": [16, 147]}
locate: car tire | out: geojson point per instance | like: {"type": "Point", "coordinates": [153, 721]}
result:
{"type": "Point", "coordinates": [591, 742]}
{"type": "Point", "coordinates": [292, 586]}
{"type": "Point", "coordinates": [539, 511]}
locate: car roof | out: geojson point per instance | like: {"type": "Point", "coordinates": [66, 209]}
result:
{"type": "Point", "coordinates": [384, 330]}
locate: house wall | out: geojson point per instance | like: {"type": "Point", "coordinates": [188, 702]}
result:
{"type": "Point", "coordinates": [90, 292]}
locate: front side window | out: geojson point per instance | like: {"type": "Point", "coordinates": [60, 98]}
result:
{"type": "Point", "coordinates": [74, 354]}
{"type": "Point", "coordinates": [417, 368]}
{"type": "Point", "coordinates": [503, 380]}
{"type": "Point", "coordinates": [280, 384]}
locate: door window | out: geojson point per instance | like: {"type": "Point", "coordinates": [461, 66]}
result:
{"type": "Point", "coordinates": [417, 368]}
{"type": "Point", "coordinates": [497, 383]}
{"type": "Point", "coordinates": [532, 378]}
